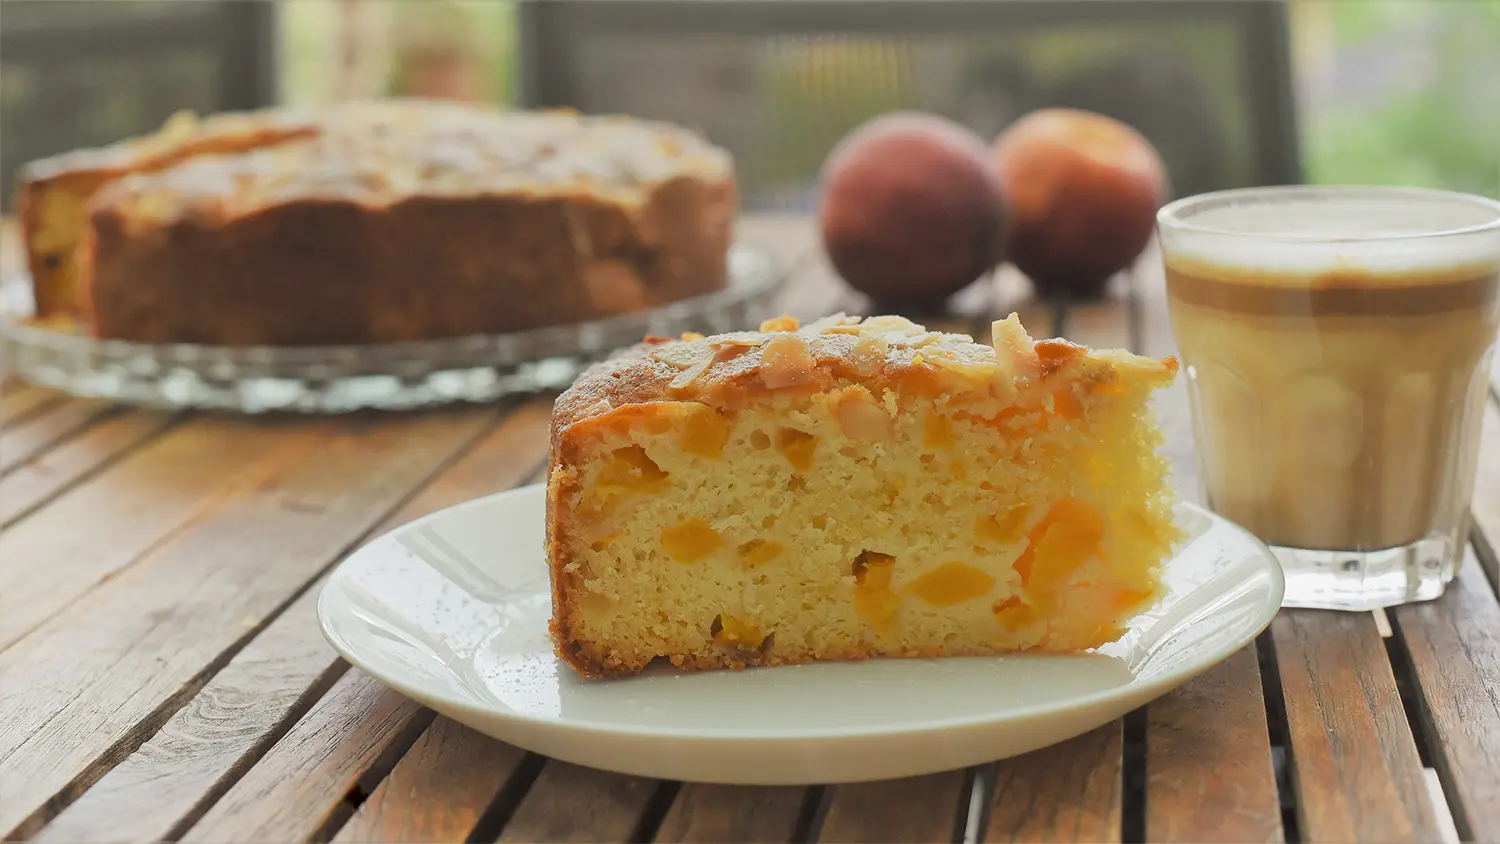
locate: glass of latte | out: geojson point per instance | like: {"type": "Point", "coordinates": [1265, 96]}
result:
{"type": "Point", "coordinates": [1337, 343]}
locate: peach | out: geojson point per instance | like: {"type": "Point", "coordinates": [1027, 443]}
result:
{"type": "Point", "coordinates": [1083, 191]}
{"type": "Point", "coordinates": [912, 209]}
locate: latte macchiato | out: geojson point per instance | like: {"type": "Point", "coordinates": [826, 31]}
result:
{"type": "Point", "coordinates": [1337, 355]}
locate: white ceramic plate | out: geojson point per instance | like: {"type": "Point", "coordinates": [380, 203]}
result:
{"type": "Point", "coordinates": [452, 610]}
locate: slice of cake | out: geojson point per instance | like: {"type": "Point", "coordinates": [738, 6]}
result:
{"type": "Point", "coordinates": [853, 489]}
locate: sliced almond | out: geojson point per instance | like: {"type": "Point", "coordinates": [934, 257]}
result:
{"type": "Point", "coordinates": [786, 362]}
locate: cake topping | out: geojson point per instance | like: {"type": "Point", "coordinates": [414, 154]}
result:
{"type": "Point", "coordinates": [786, 362]}
{"type": "Point", "coordinates": [382, 152]}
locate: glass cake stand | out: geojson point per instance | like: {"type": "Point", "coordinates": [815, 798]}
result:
{"type": "Point", "coordinates": [392, 376]}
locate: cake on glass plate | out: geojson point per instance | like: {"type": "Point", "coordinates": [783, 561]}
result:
{"type": "Point", "coordinates": [850, 489]}
{"type": "Point", "coordinates": [374, 222]}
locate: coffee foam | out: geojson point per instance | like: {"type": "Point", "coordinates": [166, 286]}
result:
{"type": "Point", "coordinates": [1396, 241]}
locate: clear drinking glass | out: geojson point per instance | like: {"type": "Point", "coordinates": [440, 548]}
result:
{"type": "Point", "coordinates": [1337, 343]}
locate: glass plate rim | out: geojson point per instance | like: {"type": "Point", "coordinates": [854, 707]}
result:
{"type": "Point", "coordinates": [391, 376]}
{"type": "Point", "coordinates": [771, 274]}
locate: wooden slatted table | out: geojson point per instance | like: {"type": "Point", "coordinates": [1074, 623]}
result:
{"type": "Point", "coordinates": [162, 675]}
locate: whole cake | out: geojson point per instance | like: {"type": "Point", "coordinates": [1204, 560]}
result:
{"type": "Point", "coordinates": [375, 222]}
{"type": "Point", "coordinates": [853, 489]}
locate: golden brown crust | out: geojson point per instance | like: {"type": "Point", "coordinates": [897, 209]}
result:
{"type": "Point", "coordinates": [324, 272]}
{"type": "Point", "coordinates": [724, 371]}
{"type": "Point", "coordinates": [395, 221]}
{"type": "Point", "coordinates": [73, 177]}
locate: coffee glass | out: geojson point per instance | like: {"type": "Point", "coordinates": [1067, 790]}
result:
{"type": "Point", "coordinates": [1337, 343]}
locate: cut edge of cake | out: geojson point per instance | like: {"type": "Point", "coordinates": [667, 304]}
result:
{"type": "Point", "coordinates": [851, 489]}
{"type": "Point", "coordinates": [54, 194]}
{"type": "Point", "coordinates": [117, 238]}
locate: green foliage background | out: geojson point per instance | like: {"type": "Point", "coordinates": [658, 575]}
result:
{"type": "Point", "coordinates": [1440, 129]}
{"type": "Point", "coordinates": [1436, 126]}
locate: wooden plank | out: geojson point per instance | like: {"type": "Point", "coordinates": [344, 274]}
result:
{"type": "Point", "coordinates": [1354, 763]}
{"type": "Point", "coordinates": [28, 439]}
{"type": "Point", "coordinates": [223, 729]}
{"type": "Point", "coordinates": [347, 739]}
{"type": "Point", "coordinates": [1486, 502]}
{"type": "Point", "coordinates": [93, 682]}
{"type": "Point", "coordinates": [570, 803]}
{"type": "Point", "coordinates": [718, 814]}
{"type": "Point", "coordinates": [439, 790]}
{"type": "Point", "coordinates": [511, 454]}
{"type": "Point", "coordinates": [132, 507]}
{"type": "Point", "coordinates": [931, 808]}
{"type": "Point", "coordinates": [1454, 650]}
{"type": "Point", "coordinates": [43, 479]}
{"type": "Point", "coordinates": [1068, 792]}
{"type": "Point", "coordinates": [20, 400]}
{"type": "Point", "coordinates": [167, 783]}
{"type": "Point", "coordinates": [1208, 760]}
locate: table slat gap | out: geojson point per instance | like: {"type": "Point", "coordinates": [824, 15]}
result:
{"type": "Point", "coordinates": [41, 481]}
{"type": "Point", "coordinates": [982, 787]}
{"type": "Point", "coordinates": [727, 814]}
{"type": "Point", "coordinates": [297, 790]}
{"type": "Point", "coordinates": [655, 811]}
{"type": "Point", "coordinates": [1449, 649]}
{"type": "Point", "coordinates": [167, 783]}
{"type": "Point", "coordinates": [142, 637]}
{"type": "Point", "coordinates": [1209, 769]}
{"type": "Point", "coordinates": [173, 483]}
{"type": "Point", "coordinates": [22, 401]}
{"type": "Point", "coordinates": [1068, 791]}
{"type": "Point", "coordinates": [571, 803]}
{"type": "Point", "coordinates": [1279, 733]}
{"type": "Point", "coordinates": [814, 811]}
{"type": "Point", "coordinates": [441, 789]}
{"type": "Point", "coordinates": [503, 807]}
{"type": "Point", "coordinates": [1134, 769]}
{"type": "Point", "coordinates": [927, 808]}
{"type": "Point", "coordinates": [34, 438]}
{"type": "Point", "coordinates": [1353, 759]}
{"type": "Point", "coordinates": [488, 462]}
{"type": "Point", "coordinates": [378, 768]}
